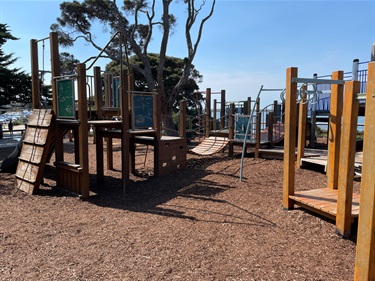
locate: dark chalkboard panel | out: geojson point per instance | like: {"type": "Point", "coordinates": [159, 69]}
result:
{"type": "Point", "coordinates": [240, 127]}
{"type": "Point", "coordinates": [143, 111]}
{"type": "Point", "coordinates": [116, 84]}
{"type": "Point", "coordinates": [65, 99]}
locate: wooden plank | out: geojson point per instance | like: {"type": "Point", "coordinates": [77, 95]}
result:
{"type": "Point", "coordinates": [347, 155]}
{"type": "Point", "coordinates": [25, 186]}
{"type": "Point", "coordinates": [324, 201]}
{"type": "Point", "coordinates": [31, 153]}
{"type": "Point", "coordinates": [35, 135]}
{"type": "Point", "coordinates": [365, 254]}
{"type": "Point", "coordinates": [316, 211]}
{"type": "Point", "coordinates": [40, 117]}
{"type": "Point", "coordinates": [27, 171]}
{"type": "Point", "coordinates": [289, 137]}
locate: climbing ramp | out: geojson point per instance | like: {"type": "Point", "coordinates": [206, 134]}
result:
{"type": "Point", "coordinates": [210, 145]}
{"type": "Point", "coordinates": [35, 150]}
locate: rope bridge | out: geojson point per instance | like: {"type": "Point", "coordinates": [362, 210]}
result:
{"type": "Point", "coordinates": [210, 145]}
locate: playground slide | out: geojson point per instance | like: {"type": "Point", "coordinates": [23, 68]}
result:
{"type": "Point", "coordinates": [9, 164]}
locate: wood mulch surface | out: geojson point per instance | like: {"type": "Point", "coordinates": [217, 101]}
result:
{"type": "Point", "coordinates": [199, 223]}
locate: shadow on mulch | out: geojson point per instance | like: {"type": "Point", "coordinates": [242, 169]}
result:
{"type": "Point", "coordinates": [145, 196]}
{"type": "Point", "coordinates": [148, 195]}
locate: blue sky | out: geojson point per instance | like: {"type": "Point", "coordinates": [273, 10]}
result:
{"type": "Point", "coordinates": [245, 44]}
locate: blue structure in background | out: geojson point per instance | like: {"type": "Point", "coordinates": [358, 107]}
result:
{"type": "Point", "coordinates": [322, 102]}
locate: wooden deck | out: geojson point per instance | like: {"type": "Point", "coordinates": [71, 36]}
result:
{"type": "Point", "coordinates": [277, 152]}
{"type": "Point", "coordinates": [321, 160]}
{"type": "Point", "coordinates": [323, 201]}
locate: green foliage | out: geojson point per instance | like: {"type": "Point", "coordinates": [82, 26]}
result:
{"type": "Point", "coordinates": [68, 63]}
{"type": "Point", "coordinates": [15, 85]}
{"type": "Point", "coordinates": [173, 69]}
{"type": "Point", "coordinates": [134, 23]}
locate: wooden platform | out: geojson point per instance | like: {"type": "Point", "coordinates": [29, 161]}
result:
{"type": "Point", "coordinates": [320, 160]}
{"type": "Point", "coordinates": [277, 152]}
{"type": "Point", "coordinates": [323, 202]}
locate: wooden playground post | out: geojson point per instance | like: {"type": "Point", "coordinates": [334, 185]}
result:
{"type": "Point", "coordinates": [208, 112]}
{"type": "Point", "coordinates": [257, 129]}
{"type": "Point", "coordinates": [274, 111]}
{"type": "Point", "coordinates": [365, 253]}
{"type": "Point", "coordinates": [347, 158]}
{"type": "Point", "coordinates": [108, 104]}
{"type": "Point", "coordinates": [35, 87]}
{"type": "Point", "coordinates": [334, 132]}
{"type": "Point", "coordinates": [98, 92]}
{"type": "Point", "coordinates": [55, 71]}
{"type": "Point", "coordinates": [301, 139]}
{"type": "Point", "coordinates": [125, 138]}
{"type": "Point", "coordinates": [157, 137]}
{"type": "Point", "coordinates": [231, 128]}
{"type": "Point", "coordinates": [249, 105]}
{"type": "Point", "coordinates": [222, 110]}
{"type": "Point", "coordinates": [270, 127]}
{"type": "Point", "coordinates": [290, 137]}
{"type": "Point", "coordinates": [214, 118]}
{"type": "Point", "coordinates": [107, 90]}
{"type": "Point", "coordinates": [182, 127]}
{"type": "Point", "coordinates": [83, 130]}
{"type": "Point", "coordinates": [55, 65]}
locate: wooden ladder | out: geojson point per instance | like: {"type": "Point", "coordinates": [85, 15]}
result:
{"type": "Point", "coordinates": [35, 150]}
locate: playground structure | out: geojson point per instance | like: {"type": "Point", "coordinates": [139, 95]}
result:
{"type": "Point", "coordinates": [365, 255]}
{"type": "Point", "coordinates": [139, 123]}
{"type": "Point", "coordinates": [74, 176]}
{"type": "Point", "coordinates": [318, 110]}
{"type": "Point", "coordinates": [240, 123]}
{"type": "Point", "coordinates": [336, 201]}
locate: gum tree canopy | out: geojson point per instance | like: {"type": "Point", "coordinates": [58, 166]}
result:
{"type": "Point", "coordinates": [137, 21]}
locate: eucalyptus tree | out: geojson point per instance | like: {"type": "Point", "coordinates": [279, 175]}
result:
{"type": "Point", "coordinates": [137, 22]}
{"type": "Point", "coordinates": [173, 69]}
